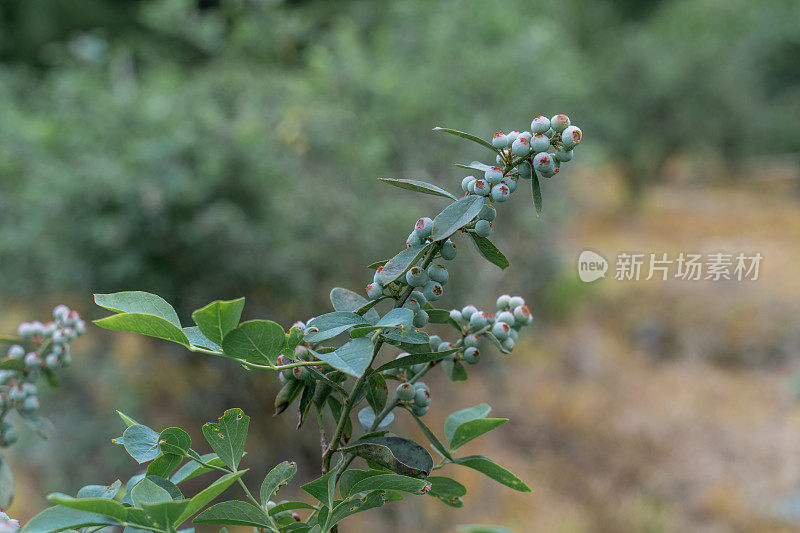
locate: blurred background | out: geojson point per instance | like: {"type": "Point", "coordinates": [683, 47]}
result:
{"type": "Point", "coordinates": [207, 149]}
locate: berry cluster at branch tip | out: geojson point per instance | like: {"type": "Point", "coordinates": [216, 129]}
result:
{"type": "Point", "coordinates": [8, 524]}
{"type": "Point", "coordinates": [49, 351]}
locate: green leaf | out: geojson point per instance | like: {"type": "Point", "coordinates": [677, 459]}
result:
{"type": "Point", "coordinates": [349, 301]}
{"type": "Point", "coordinates": [474, 429]}
{"type": "Point", "coordinates": [336, 410]}
{"type": "Point", "coordinates": [456, 215]}
{"type": "Point", "coordinates": [150, 325]}
{"type": "Point", "coordinates": [351, 507]}
{"type": "Point", "coordinates": [377, 392]}
{"type": "Point", "coordinates": [415, 359]}
{"type": "Point", "coordinates": [175, 441]}
{"type": "Point", "coordinates": [60, 518]}
{"type": "Point", "coordinates": [475, 165]}
{"type": "Point", "coordinates": [164, 465]}
{"type": "Point", "coordinates": [399, 264]}
{"type": "Point", "coordinates": [128, 420]}
{"type": "Point", "coordinates": [166, 514]}
{"type": "Point", "coordinates": [207, 495]}
{"type": "Point", "coordinates": [196, 338]}
{"type": "Point", "coordinates": [17, 365]}
{"type": "Point", "coordinates": [455, 370]}
{"type": "Point", "coordinates": [418, 186]}
{"type": "Point", "coordinates": [141, 443]}
{"type": "Point", "coordinates": [227, 436]}
{"type": "Point", "coordinates": [332, 324]}
{"type": "Point", "coordinates": [366, 417]}
{"type": "Point", "coordinates": [488, 250]}
{"type": "Point", "coordinates": [100, 491]}
{"type": "Point", "coordinates": [102, 506]}
{"type": "Point", "coordinates": [172, 489]}
{"type": "Point", "coordinates": [462, 416]}
{"type": "Point", "coordinates": [536, 190]}
{"type": "Point", "coordinates": [39, 424]}
{"type": "Point", "coordinates": [279, 476]}
{"type": "Point", "coordinates": [256, 341]}
{"type": "Point", "coordinates": [350, 477]}
{"type": "Point", "coordinates": [322, 488]}
{"type": "Point", "coordinates": [488, 467]}
{"type": "Point", "coordinates": [234, 513]}
{"type": "Point", "coordinates": [138, 302]}
{"type": "Point", "coordinates": [448, 490]}
{"type": "Point", "coordinates": [290, 506]}
{"type": "Point", "coordinates": [469, 136]}
{"type": "Point", "coordinates": [192, 468]}
{"type": "Point", "coordinates": [434, 440]}
{"type": "Point", "coordinates": [474, 528]}
{"type": "Point", "coordinates": [396, 318]}
{"type": "Point", "coordinates": [353, 358]}
{"type": "Point", "coordinates": [147, 491]}
{"type": "Point", "coordinates": [408, 336]}
{"type": "Point", "coordinates": [218, 318]}
{"type": "Point", "coordinates": [390, 482]}
{"type": "Point", "coordinates": [399, 455]}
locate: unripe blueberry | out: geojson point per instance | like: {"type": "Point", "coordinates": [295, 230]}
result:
{"type": "Point", "coordinates": [514, 334]}
{"type": "Point", "coordinates": [472, 341]}
{"type": "Point", "coordinates": [525, 135]}
{"type": "Point", "coordinates": [374, 290]}
{"type": "Point", "coordinates": [563, 155]}
{"type": "Point", "coordinates": [508, 344]}
{"type": "Point", "coordinates": [521, 147]}
{"type": "Point", "coordinates": [449, 251]}
{"type": "Point", "coordinates": [72, 318]}
{"type": "Point", "coordinates": [455, 314]}
{"type": "Point", "coordinates": [51, 327]}
{"type": "Point", "coordinates": [30, 404]}
{"type": "Point", "coordinates": [418, 296]}
{"type": "Point", "coordinates": [416, 277]}
{"type": "Point", "coordinates": [499, 140]}
{"type": "Point", "coordinates": [543, 163]}
{"type": "Point", "coordinates": [406, 392]}
{"type": "Point", "coordinates": [540, 124]}
{"type": "Point", "coordinates": [376, 278]}
{"type": "Point", "coordinates": [422, 398]}
{"type": "Point", "coordinates": [487, 213]}
{"type": "Point", "coordinates": [512, 136]}
{"type": "Point", "coordinates": [419, 385]}
{"type": "Point", "coordinates": [559, 123]}
{"type": "Point", "coordinates": [493, 175]}
{"type": "Point", "coordinates": [435, 341]}
{"type": "Point", "coordinates": [15, 351]}
{"type": "Point", "coordinates": [501, 330]}
{"type": "Point", "coordinates": [525, 170]}
{"type": "Point", "coordinates": [433, 291]}
{"type": "Point", "coordinates": [414, 239]}
{"type": "Point", "coordinates": [301, 373]}
{"type": "Point", "coordinates": [37, 328]}
{"type": "Point", "coordinates": [522, 314]}
{"type": "Point", "coordinates": [515, 301]}
{"type": "Point", "coordinates": [301, 353]}
{"type": "Point", "coordinates": [438, 273]}
{"type": "Point", "coordinates": [478, 320]}
{"type": "Point", "coordinates": [482, 187]}
{"type": "Point", "coordinates": [444, 346]}
{"type": "Point", "coordinates": [472, 355]}
{"type": "Point", "coordinates": [571, 137]}
{"type": "Point", "coordinates": [503, 301]}
{"type": "Point", "coordinates": [501, 192]}
{"type": "Point", "coordinates": [29, 389]}
{"type": "Point", "coordinates": [419, 411]}
{"type": "Point", "coordinates": [25, 330]}
{"type": "Point", "coordinates": [6, 376]}
{"type": "Point", "coordinates": [61, 336]}
{"type": "Point", "coordinates": [16, 394]}
{"type": "Point", "coordinates": [32, 360]}
{"type": "Point", "coordinates": [540, 143]}
{"type": "Point", "coordinates": [468, 311]}
{"type": "Point", "coordinates": [490, 318]}
{"type": "Point", "coordinates": [10, 435]}
{"type": "Point", "coordinates": [413, 304]}
{"type": "Point", "coordinates": [423, 227]}
{"type": "Point", "coordinates": [60, 312]}
{"type": "Point", "coordinates": [420, 319]}
{"type": "Point", "coordinates": [506, 317]}
{"type": "Point", "coordinates": [466, 181]}
{"type": "Point", "coordinates": [302, 325]}
{"type": "Point", "coordinates": [511, 183]}
{"type": "Point", "coordinates": [483, 228]}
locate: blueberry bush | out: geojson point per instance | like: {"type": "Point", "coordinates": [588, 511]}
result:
{"type": "Point", "coordinates": [353, 370]}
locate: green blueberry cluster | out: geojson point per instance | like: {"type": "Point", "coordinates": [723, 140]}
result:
{"type": "Point", "coordinates": [503, 325]}
{"type": "Point", "coordinates": [7, 524]}
{"type": "Point", "coordinates": [21, 368]}
{"type": "Point", "coordinates": [416, 396]}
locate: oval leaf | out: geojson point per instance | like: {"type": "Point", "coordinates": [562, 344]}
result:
{"type": "Point", "coordinates": [257, 341]}
{"type": "Point", "coordinates": [366, 417]}
{"type": "Point", "coordinates": [456, 215]}
{"type": "Point", "coordinates": [397, 265]}
{"type": "Point", "coordinates": [418, 186]}
{"type": "Point", "coordinates": [218, 318]}
{"type": "Point", "coordinates": [464, 415]}
{"type": "Point", "coordinates": [227, 436]}
{"type": "Point", "coordinates": [138, 302]}
{"type": "Point", "coordinates": [346, 300]}
{"type": "Point", "coordinates": [399, 455]}
{"type": "Point", "coordinates": [276, 478]}
{"type": "Point", "coordinates": [390, 482]}
{"type": "Point", "coordinates": [150, 325]}
{"type": "Point", "coordinates": [353, 358]}
{"type": "Point", "coordinates": [234, 513]}
{"type": "Point", "coordinates": [488, 467]}
{"type": "Point", "coordinates": [59, 518]}
{"type": "Point", "coordinates": [488, 250]}
{"type": "Point", "coordinates": [141, 443]}
{"type": "Point", "coordinates": [474, 429]}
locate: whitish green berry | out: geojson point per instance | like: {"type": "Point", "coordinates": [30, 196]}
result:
{"type": "Point", "coordinates": [540, 143]}
{"type": "Point", "coordinates": [406, 392]}
{"type": "Point", "coordinates": [422, 398]}
{"type": "Point", "coordinates": [455, 314]}
{"type": "Point", "coordinates": [493, 175]}
{"type": "Point", "coordinates": [515, 301]}
{"type": "Point", "coordinates": [499, 140]}
{"type": "Point", "coordinates": [563, 155]}
{"type": "Point", "coordinates": [444, 346]}
{"type": "Point", "coordinates": [544, 164]}
{"type": "Point", "coordinates": [419, 411]}
{"type": "Point", "coordinates": [30, 404]}
{"type": "Point", "coordinates": [60, 312]}
{"type": "Point", "coordinates": [514, 334]}
{"type": "Point", "coordinates": [9, 435]}
{"type": "Point", "coordinates": [511, 183]}
{"type": "Point", "coordinates": [422, 385]}
{"type": "Point", "coordinates": [448, 251]}
{"type": "Point", "coordinates": [416, 277]}
{"type": "Point", "coordinates": [483, 228]}
{"type": "Point", "coordinates": [508, 344]}
{"type": "Point", "coordinates": [503, 301]}
{"type": "Point", "coordinates": [15, 351]}
{"type": "Point", "coordinates": [423, 227]}
{"type": "Point", "coordinates": [6, 376]}
{"type": "Point", "coordinates": [468, 311]}
{"type": "Point", "coordinates": [420, 319]}
{"type": "Point", "coordinates": [478, 320]}
{"type": "Point", "coordinates": [435, 341]}
{"type": "Point", "coordinates": [16, 394]}
{"type": "Point", "coordinates": [501, 192]}
{"type": "Point", "coordinates": [487, 213]}
{"type": "Point", "coordinates": [413, 304]}
{"type": "Point", "coordinates": [501, 330]}
{"type": "Point", "coordinates": [507, 317]}
{"type": "Point", "coordinates": [521, 147]}
{"type": "Point", "coordinates": [374, 290]}
{"type": "Point", "coordinates": [414, 239]}
{"type": "Point", "coordinates": [512, 136]}
{"type": "Point", "coordinates": [472, 355]}
{"type": "Point", "coordinates": [540, 124]}
{"type": "Point", "coordinates": [525, 135]}
{"type": "Point", "coordinates": [438, 273]}
{"type": "Point", "coordinates": [418, 296]}
{"type": "Point", "coordinates": [522, 314]}
{"type": "Point", "coordinates": [559, 123]}
{"type": "Point", "coordinates": [32, 360]}
{"type": "Point", "coordinates": [481, 187]}
{"type": "Point", "coordinates": [571, 137]}
{"type": "Point", "coordinates": [472, 341]}
{"type": "Point", "coordinates": [466, 181]}
{"type": "Point", "coordinates": [433, 291]}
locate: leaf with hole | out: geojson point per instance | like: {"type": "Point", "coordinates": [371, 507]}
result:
{"type": "Point", "coordinates": [227, 436]}
{"type": "Point", "coordinates": [402, 456]}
